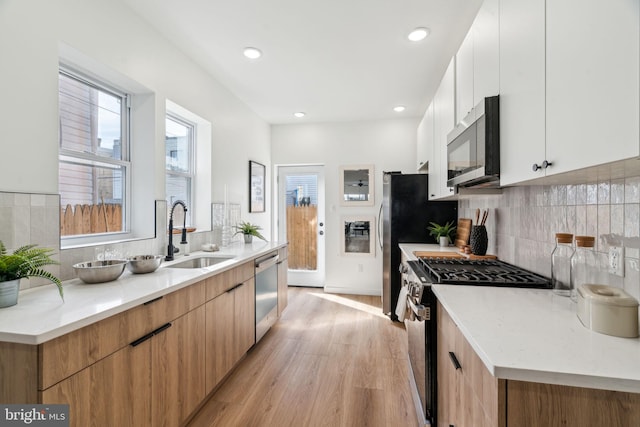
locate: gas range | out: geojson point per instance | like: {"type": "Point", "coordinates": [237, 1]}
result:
{"type": "Point", "coordinates": [420, 321]}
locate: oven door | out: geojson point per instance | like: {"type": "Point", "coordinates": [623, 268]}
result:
{"type": "Point", "coordinates": [420, 327]}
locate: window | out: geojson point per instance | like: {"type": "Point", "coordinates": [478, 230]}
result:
{"type": "Point", "coordinates": [94, 165]}
{"type": "Point", "coordinates": [179, 155]}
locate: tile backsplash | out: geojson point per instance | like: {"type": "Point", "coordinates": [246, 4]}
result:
{"type": "Point", "coordinates": [27, 219]}
{"type": "Point", "coordinates": [523, 221]}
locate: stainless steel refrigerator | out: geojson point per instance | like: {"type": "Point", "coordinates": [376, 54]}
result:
{"type": "Point", "coordinates": [405, 214]}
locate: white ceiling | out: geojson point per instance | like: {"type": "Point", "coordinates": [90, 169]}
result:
{"type": "Point", "coordinates": [336, 60]}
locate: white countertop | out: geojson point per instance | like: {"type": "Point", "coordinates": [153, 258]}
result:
{"type": "Point", "coordinates": [535, 335]}
{"type": "Point", "coordinates": [41, 315]}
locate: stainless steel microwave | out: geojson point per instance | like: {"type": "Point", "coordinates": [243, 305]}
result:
{"type": "Point", "coordinates": [473, 147]}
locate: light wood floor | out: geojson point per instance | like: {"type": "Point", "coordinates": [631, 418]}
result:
{"type": "Point", "coordinates": [331, 360]}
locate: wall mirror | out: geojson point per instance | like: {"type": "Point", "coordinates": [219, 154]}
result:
{"type": "Point", "coordinates": [358, 235]}
{"type": "Point", "coordinates": [356, 185]}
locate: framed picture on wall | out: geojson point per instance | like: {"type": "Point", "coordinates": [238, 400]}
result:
{"type": "Point", "coordinates": [257, 173]}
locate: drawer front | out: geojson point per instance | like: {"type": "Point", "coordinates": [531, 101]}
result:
{"type": "Point", "coordinates": [474, 394]}
{"type": "Point", "coordinates": [68, 354]}
{"type": "Point", "coordinates": [226, 280]}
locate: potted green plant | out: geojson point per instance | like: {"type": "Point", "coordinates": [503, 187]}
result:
{"type": "Point", "coordinates": [26, 261]}
{"type": "Point", "coordinates": [248, 230]}
{"type": "Point", "coordinates": [442, 233]}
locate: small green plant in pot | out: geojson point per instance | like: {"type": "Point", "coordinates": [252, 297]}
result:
{"type": "Point", "coordinates": [248, 230]}
{"type": "Point", "coordinates": [439, 231]}
{"type": "Point", "coordinates": [26, 261]}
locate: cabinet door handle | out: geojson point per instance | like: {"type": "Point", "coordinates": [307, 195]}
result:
{"type": "Point", "coordinates": [234, 288]}
{"type": "Point", "coordinates": [162, 328]}
{"type": "Point", "coordinates": [141, 340]}
{"type": "Point", "coordinates": [150, 334]}
{"type": "Point", "coordinates": [153, 300]}
{"type": "Point", "coordinates": [454, 360]}
{"type": "Point", "coordinates": [544, 165]}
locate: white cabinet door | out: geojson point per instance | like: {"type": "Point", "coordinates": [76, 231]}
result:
{"type": "Point", "coordinates": [425, 140]}
{"type": "Point", "coordinates": [486, 52]}
{"type": "Point", "coordinates": [592, 82]}
{"type": "Point", "coordinates": [522, 89]}
{"type": "Point", "coordinates": [464, 78]}
{"type": "Point", "coordinates": [444, 122]}
{"type": "Point", "coordinates": [434, 154]}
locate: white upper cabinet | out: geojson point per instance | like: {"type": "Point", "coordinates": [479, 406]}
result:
{"type": "Point", "coordinates": [444, 121]}
{"type": "Point", "coordinates": [569, 86]}
{"type": "Point", "coordinates": [478, 61]}
{"type": "Point", "coordinates": [592, 55]}
{"type": "Point", "coordinates": [486, 52]}
{"type": "Point", "coordinates": [425, 140]}
{"type": "Point", "coordinates": [464, 78]}
{"type": "Point", "coordinates": [522, 89]}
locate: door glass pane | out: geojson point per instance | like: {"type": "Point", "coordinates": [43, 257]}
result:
{"type": "Point", "coordinates": [302, 221]}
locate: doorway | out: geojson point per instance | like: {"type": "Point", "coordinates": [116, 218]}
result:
{"type": "Point", "coordinates": [301, 222]}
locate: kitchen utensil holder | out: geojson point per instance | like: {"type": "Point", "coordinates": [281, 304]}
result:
{"type": "Point", "coordinates": [478, 240]}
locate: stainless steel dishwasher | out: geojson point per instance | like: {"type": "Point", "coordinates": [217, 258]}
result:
{"type": "Point", "coordinates": [266, 293]}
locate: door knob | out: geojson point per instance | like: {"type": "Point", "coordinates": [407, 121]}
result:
{"type": "Point", "coordinates": [321, 232]}
{"type": "Point", "coordinates": [321, 224]}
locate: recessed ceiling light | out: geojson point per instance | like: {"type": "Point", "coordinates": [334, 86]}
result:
{"type": "Point", "coordinates": [399, 108]}
{"type": "Point", "coordinates": [418, 34]}
{"type": "Point", "coordinates": [299, 114]}
{"type": "Point", "coordinates": [252, 52]}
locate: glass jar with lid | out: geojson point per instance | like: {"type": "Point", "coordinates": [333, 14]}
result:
{"type": "Point", "coordinates": [584, 264]}
{"type": "Point", "coordinates": [561, 264]}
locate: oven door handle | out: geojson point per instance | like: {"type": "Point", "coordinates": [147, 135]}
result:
{"type": "Point", "coordinates": [421, 312]}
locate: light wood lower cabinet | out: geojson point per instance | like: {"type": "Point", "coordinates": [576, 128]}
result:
{"type": "Point", "coordinates": [230, 320]}
{"type": "Point", "coordinates": [469, 396]}
{"type": "Point", "coordinates": [532, 404]}
{"type": "Point", "coordinates": [115, 391]}
{"type": "Point", "coordinates": [283, 285]}
{"type": "Point", "coordinates": [178, 361]}
{"type": "Point", "coordinates": [156, 381]}
{"type": "Point", "coordinates": [152, 365]}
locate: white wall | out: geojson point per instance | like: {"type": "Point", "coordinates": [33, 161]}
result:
{"type": "Point", "coordinates": [388, 145]}
{"type": "Point", "coordinates": [31, 33]}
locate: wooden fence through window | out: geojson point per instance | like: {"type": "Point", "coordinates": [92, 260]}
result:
{"type": "Point", "coordinates": [90, 219]}
{"type": "Point", "coordinates": [302, 232]}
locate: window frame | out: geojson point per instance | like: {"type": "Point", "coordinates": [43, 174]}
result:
{"type": "Point", "coordinates": [84, 158]}
{"type": "Point", "coordinates": [192, 172]}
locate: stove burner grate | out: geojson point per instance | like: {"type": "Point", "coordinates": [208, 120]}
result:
{"type": "Point", "coordinates": [481, 272]}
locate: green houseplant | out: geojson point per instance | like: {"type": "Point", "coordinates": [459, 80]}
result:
{"type": "Point", "coordinates": [26, 261]}
{"type": "Point", "coordinates": [248, 230]}
{"type": "Point", "coordinates": [439, 231]}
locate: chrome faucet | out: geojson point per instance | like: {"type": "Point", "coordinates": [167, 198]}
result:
{"type": "Point", "coordinates": [171, 249]}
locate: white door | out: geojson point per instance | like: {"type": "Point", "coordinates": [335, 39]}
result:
{"type": "Point", "coordinates": [301, 222]}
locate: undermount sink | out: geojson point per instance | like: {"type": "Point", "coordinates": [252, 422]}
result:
{"type": "Point", "coordinates": [200, 262]}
